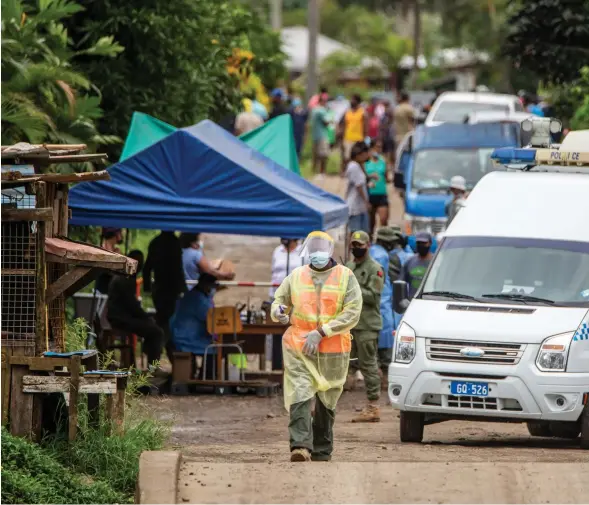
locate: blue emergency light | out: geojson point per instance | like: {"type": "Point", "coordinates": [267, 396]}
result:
{"type": "Point", "coordinates": [514, 156]}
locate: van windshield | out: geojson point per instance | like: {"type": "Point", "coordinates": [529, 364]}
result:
{"type": "Point", "coordinates": [498, 269]}
{"type": "Point", "coordinates": [433, 168]}
{"type": "Point", "coordinates": [457, 112]}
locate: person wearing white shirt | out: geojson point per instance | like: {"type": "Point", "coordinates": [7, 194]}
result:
{"type": "Point", "coordinates": [285, 258]}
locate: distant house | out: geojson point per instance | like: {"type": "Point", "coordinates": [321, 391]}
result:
{"type": "Point", "coordinates": [295, 43]}
{"type": "Point", "coordinates": [461, 66]}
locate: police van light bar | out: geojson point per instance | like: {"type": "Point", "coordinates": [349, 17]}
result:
{"type": "Point", "coordinates": [515, 156]}
{"type": "Point", "coordinates": [554, 156]}
{"type": "Point", "coordinates": [530, 157]}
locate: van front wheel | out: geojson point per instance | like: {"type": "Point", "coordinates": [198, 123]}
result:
{"type": "Point", "coordinates": [585, 428]}
{"type": "Point", "coordinates": [411, 426]}
{"type": "Point", "coordinates": [539, 429]}
{"type": "Point", "coordinates": [568, 430]}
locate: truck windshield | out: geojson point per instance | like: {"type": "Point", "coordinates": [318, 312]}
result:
{"type": "Point", "coordinates": [457, 112]}
{"type": "Point", "coordinates": [433, 168]}
{"type": "Point", "coordinates": [506, 270]}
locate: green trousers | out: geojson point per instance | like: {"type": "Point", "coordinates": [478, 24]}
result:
{"type": "Point", "coordinates": [365, 349]}
{"type": "Point", "coordinates": [314, 433]}
{"type": "Point", "coordinates": [385, 356]}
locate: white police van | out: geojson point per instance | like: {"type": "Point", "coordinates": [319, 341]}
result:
{"type": "Point", "coordinates": [499, 329]}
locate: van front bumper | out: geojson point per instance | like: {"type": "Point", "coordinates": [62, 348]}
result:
{"type": "Point", "coordinates": [515, 392]}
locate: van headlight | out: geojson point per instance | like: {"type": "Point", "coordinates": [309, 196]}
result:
{"type": "Point", "coordinates": [404, 344]}
{"type": "Point", "coordinates": [417, 224]}
{"type": "Point", "coordinates": [554, 352]}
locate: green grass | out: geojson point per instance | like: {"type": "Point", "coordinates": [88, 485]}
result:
{"type": "Point", "coordinates": [95, 468]}
{"type": "Point", "coordinates": [113, 459]}
{"type": "Point", "coordinates": [31, 474]}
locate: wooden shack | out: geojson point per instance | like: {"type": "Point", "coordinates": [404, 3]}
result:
{"type": "Point", "coordinates": [40, 266]}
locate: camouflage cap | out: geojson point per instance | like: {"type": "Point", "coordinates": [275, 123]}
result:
{"type": "Point", "coordinates": [361, 237]}
{"type": "Point", "coordinates": [389, 233]}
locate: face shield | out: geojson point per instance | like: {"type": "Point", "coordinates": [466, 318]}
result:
{"type": "Point", "coordinates": [319, 247]}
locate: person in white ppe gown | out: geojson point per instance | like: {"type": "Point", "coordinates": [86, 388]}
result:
{"type": "Point", "coordinates": [323, 302]}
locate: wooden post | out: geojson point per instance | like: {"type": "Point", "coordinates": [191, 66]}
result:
{"type": "Point", "coordinates": [40, 305]}
{"type": "Point", "coordinates": [93, 399]}
{"type": "Point", "coordinates": [21, 404]}
{"type": "Point", "coordinates": [63, 210]}
{"type": "Point", "coordinates": [6, 352]}
{"type": "Point", "coordinates": [74, 387]}
{"type": "Point", "coordinates": [115, 407]}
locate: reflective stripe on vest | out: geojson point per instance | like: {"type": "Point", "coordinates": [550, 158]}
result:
{"type": "Point", "coordinates": [315, 306]}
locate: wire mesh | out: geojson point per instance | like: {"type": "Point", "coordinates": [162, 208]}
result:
{"type": "Point", "coordinates": [56, 311]}
{"type": "Point", "coordinates": [19, 282]}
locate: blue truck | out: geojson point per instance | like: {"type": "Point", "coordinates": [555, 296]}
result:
{"type": "Point", "coordinates": [431, 155]}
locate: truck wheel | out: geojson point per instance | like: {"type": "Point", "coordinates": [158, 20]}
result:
{"type": "Point", "coordinates": [539, 429]}
{"type": "Point", "coordinates": [411, 426]}
{"type": "Point", "coordinates": [585, 428]}
{"type": "Point", "coordinates": [568, 430]}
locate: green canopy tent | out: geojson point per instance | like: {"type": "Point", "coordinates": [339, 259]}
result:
{"type": "Point", "coordinates": [144, 132]}
{"type": "Point", "coordinates": [274, 139]}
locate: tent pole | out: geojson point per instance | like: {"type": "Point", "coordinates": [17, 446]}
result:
{"type": "Point", "coordinates": [127, 241]}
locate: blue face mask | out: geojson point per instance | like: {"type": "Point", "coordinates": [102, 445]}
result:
{"type": "Point", "coordinates": [319, 259]}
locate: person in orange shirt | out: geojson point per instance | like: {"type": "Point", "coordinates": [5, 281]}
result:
{"type": "Point", "coordinates": [353, 128]}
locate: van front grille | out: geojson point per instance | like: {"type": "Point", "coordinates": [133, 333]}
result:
{"type": "Point", "coordinates": [491, 352]}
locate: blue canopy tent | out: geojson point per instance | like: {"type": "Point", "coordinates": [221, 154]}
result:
{"type": "Point", "coordinates": [203, 179]}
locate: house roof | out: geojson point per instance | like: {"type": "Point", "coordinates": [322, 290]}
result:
{"type": "Point", "coordinates": [295, 43]}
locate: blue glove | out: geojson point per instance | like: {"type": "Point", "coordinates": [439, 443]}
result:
{"type": "Point", "coordinates": [279, 313]}
{"type": "Point", "coordinates": [312, 340]}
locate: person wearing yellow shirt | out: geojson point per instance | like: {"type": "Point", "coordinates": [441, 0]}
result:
{"type": "Point", "coordinates": [353, 127]}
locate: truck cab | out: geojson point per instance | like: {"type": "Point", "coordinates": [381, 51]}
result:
{"type": "Point", "coordinates": [431, 155]}
{"type": "Point", "coordinates": [499, 329]}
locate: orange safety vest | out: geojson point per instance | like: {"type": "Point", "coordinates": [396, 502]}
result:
{"type": "Point", "coordinates": [354, 125]}
{"type": "Point", "coordinates": [314, 307]}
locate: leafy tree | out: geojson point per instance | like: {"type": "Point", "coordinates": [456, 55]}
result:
{"type": "Point", "coordinates": [549, 38]}
{"type": "Point", "coordinates": [44, 96]}
{"type": "Point", "coordinates": [176, 53]}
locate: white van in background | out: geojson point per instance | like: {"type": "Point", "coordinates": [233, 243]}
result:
{"type": "Point", "coordinates": [455, 106]}
{"type": "Point", "coordinates": [499, 329]}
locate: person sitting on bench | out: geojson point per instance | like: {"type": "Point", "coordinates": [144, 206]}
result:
{"type": "Point", "coordinates": [189, 323]}
{"type": "Point", "coordinates": [124, 312]}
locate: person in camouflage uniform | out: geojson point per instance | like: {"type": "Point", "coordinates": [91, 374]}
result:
{"type": "Point", "coordinates": [370, 276]}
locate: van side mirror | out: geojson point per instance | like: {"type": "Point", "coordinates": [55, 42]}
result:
{"type": "Point", "coordinates": [399, 180]}
{"type": "Point", "coordinates": [400, 297]}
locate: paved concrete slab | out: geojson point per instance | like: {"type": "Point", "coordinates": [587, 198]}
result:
{"type": "Point", "coordinates": [383, 482]}
{"type": "Point", "coordinates": [158, 477]}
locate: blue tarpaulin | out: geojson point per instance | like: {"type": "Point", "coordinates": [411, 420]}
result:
{"type": "Point", "coordinates": [203, 179]}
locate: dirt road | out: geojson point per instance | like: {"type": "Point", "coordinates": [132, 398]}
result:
{"type": "Point", "coordinates": [247, 429]}
{"type": "Point", "coordinates": [235, 450]}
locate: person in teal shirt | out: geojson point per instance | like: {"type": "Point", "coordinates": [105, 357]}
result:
{"type": "Point", "coordinates": [320, 134]}
{"type": "Point", "coordinates": [376, 172]}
